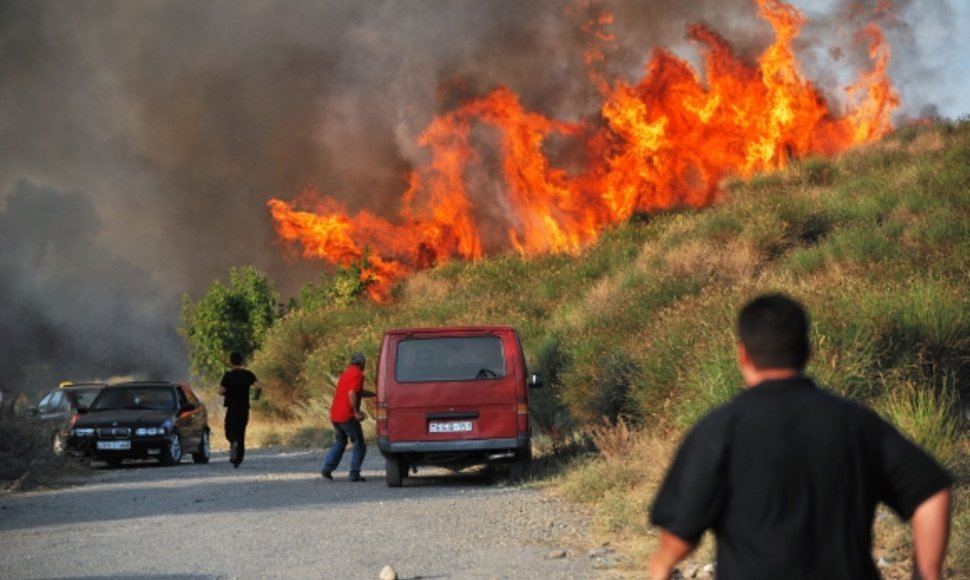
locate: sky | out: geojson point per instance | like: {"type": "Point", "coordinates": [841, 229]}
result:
{"type": "Point", "coordinates": [140, 140]}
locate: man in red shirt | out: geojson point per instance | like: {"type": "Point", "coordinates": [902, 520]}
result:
{"type": "Point", "coordinates": [346, 417]}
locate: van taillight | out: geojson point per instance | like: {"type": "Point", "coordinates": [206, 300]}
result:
{"type": "Point", "coordinates": [522, 413]}
{"type": "Point", "coordinates": [382, 418]}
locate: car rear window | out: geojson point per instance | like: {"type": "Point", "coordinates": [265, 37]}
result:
{"type": "Point", "coordinates": [148, 398]}
{"type": "Point", "coordinates": [85, 398]}
{"type": "Point", "coordinates": [450, 359]}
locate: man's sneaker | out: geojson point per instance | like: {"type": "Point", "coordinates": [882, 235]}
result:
{"type": "Point", "coordinates": [234, 453]}
{"type": "Point", "coordinates": [326, 474]}
{"type": "Point", "coordinates": [358, 478]}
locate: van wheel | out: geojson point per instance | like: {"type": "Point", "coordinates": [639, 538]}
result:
{"type": "Point", "coordinates": [394, 468]}
{"type": "Point", "coordinates": [519, 467]}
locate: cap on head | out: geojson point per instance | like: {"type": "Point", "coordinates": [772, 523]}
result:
{"type": "Point", "coordinates": [357, 359]}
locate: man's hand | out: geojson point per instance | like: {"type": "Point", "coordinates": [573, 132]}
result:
{"type": "Point", "coordinates": [671, 550]}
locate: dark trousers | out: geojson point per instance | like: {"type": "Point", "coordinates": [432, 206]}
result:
{"type": "Point", "coordinates": [236, 421]}
{"type": "Point", "coordinates": [341, 433]}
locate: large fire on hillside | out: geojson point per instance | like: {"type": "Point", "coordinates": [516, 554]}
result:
{"type": "Point", "coordinates": [664, 142]}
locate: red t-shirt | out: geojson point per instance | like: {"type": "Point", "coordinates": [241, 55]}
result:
{"type": "Point", "coordinates": [352, 379]}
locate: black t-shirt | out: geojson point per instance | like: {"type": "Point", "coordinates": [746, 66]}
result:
{"type": "Point", "coordinates": [788, 477]}
{"type": "Point", "coordinates": [237, 383]}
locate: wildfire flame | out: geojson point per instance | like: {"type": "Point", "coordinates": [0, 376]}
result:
{"type": "Point", "coordinates": [664, 142]}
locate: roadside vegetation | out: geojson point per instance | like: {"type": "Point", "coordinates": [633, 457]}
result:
{"type": "Point", "coordinates": [635, 335]}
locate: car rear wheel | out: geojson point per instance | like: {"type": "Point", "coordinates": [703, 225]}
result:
{"type": "Point", "coordinates": [202, 455]}
{"type": "Point", "coordinates": [394, 470]}
{"type": "Point", "coordinates": [172, 454]}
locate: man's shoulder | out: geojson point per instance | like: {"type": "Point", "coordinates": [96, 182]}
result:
{"type": "Point", "coordinates": [239, 374]}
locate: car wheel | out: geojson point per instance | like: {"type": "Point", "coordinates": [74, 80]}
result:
{"type": "Point", "coordinates": [113, 462]}
{"type": "Point", "coordinates": [173, 452]}
{"type": "Point", "coordinates": [394, 470]}
{"type": "Point", "coordinates": [59, 444]}
{"type": "Point", "coordinates": [202, 455]}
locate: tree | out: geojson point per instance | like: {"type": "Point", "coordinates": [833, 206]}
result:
{"type": "Point", "coordinates": [226, 320]}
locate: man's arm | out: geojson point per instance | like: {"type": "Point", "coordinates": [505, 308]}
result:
{"type": "Point", "coordinates": [931, 531]}
{"type": "Point", "coordinates": [355, 405]}
{"type": "Point", "coordinates": [671, 550]}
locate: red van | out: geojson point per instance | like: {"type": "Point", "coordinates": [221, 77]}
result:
{"type": "Point", "coordinates": [453, 397]}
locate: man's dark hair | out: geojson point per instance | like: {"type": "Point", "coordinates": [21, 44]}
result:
{"type": "Point", "coordinates": [774, 330]}
{"type": "Point", "coordinates": [235, 359]}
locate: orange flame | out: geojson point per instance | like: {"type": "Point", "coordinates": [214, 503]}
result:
{"type": "Point", "coordinates": [665, 142]}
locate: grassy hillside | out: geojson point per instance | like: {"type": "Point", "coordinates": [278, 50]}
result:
{"type": "Point", "coordinates": [639, 327]}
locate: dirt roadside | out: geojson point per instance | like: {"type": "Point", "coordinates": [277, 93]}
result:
{"type": "Point", "coordinates": [275, 517]}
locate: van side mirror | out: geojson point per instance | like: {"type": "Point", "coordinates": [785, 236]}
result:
{"type": "Point", "coordinates": [535, 380]}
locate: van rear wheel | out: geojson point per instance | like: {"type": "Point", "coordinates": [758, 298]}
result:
{"type": "Point", "coordinates": [519, 467]}
{"type": "Point", "coordinates": [394, 470]}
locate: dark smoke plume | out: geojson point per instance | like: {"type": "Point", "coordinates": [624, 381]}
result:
{"type": "Point", "coordinates": [70, 308]}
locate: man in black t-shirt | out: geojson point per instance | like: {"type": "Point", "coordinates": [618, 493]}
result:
{"type": "Point", "coordinates": [788, 476]}
{"type": "Point", "coordinates": [234, 386]}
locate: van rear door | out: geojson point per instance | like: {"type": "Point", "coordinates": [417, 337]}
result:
{"type": "Point", "coordinates": [453, 386]}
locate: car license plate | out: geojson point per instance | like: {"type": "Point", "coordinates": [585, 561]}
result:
{"type": "Point", "coordinates": [449, 427]}
{"type": "Point", "coordinates": [116, 445]}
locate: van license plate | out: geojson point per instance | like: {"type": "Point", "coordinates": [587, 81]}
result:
{"type": "Point", "coordinates": [114, 444]}
{"type": "Point", "coordinates": [449, 427]}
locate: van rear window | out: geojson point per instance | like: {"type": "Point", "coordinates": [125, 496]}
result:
{"type": "Point", "coordinates": [463, 358]}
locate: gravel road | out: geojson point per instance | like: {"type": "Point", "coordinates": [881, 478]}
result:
{"type": "Point", "coordinates": [275, 517]}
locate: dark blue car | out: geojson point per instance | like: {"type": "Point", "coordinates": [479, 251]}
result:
{"type": "Point", "coordinates": [143, 420]}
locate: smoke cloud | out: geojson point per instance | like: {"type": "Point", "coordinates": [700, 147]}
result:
{"type": "Point", "coordinates": [141, 140]}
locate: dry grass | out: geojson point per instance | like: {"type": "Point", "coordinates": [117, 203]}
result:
{"type": "Point", "coordinates": [423, 287]}
{"type": "Point", "coordinates": [732, 263]}
{"type": "Point", "coordinates": [620, 483]}
{"type": "Point", "coordinates": [26, 459]}
{"type": "Point", "coordinates": [309, 427]}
